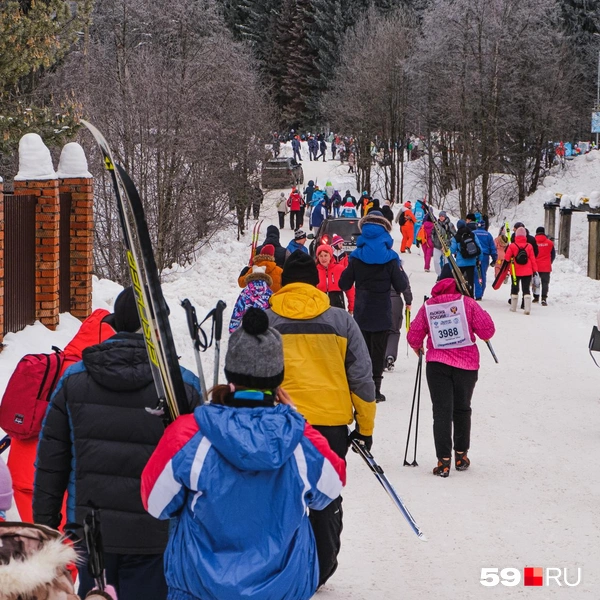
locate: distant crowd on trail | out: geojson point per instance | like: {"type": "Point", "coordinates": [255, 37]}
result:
{"type": "Point", "coordinates": [344, 148]}
{"type": "Point", "coordinates": [556, 153]}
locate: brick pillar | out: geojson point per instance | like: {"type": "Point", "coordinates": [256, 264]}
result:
{"type": "Point", "coordinates": [82, 243]}
{"type": "Point", "coordinates": [47, 219]}
{"type": "Point", "coordinates": [1, 262]}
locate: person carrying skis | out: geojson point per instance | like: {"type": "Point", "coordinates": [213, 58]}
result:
{"type": "Point", "coordinates": [523, 266]}
{"type": "Point", "coordinates": [238, 476]}
{"type": "Point", "coordinates": [256, 294]}
{"type": "Point", "coordinates": [373, 268]}
{"type": "Point", "coordinates": [501, 243]}
{"type": "Point", "coordinates": [447, 230]}
{"type": "Point", "coordinates": [450, 322]}
{"type": "Point", "coordinates": [420, 211]}
{"type": "Point", "coordinates": [406, 220]}
{"type": "Point", "coordinates": [265, 258]}
{"type": "Point", "coordinates": [487, 258]}
{"type": "Point", "coordinates": [466, 250]}
{"type": "Point", "coordinates": [95, 441]}
{"type": "Point", "coordinates": [545, 258]}
{"type": "Point", "coordinates": [272, 239]}
{"type": "Point", "coordinates": [282, 209]}
{"type": "Point", "coordinates": [326, 343]}
{"type": "Point", "coordinates": [330, 272]}
{"type": "Point", "coordinates": [295, 205]}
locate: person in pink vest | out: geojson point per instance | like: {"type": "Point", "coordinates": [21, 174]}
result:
{"type": "Point", "coordinates": [545, 258]}
{"type": "Point", "coordinates": [450, 322]}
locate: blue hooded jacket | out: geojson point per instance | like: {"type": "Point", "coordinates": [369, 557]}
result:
{"type": "Point", "coordinates": [239, 481]}
{"type": "Point", "coordinates": [374, 245]}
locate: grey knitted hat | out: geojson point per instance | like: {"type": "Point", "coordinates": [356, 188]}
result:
{"type": "Point", "coordinates": [255, 353]}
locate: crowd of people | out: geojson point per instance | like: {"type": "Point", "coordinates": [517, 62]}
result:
{"type": "Point", "coordinates": [172, 527]}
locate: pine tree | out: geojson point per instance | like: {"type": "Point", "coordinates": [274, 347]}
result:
{"type": "Point", "coordinates": [35, 36]}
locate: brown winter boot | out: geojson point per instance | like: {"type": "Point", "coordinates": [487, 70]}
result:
{"type": "Point", "coordinates": [461, 461]}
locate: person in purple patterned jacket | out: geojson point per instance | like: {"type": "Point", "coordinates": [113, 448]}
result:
{"type": "Point", "coordinates": [256, 294]}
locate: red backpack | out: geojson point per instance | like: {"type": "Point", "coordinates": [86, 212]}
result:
{"type": "Point", "coordinates": [28, 392]}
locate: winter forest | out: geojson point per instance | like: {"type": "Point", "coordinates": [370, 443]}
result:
{"type": "Point", "coordinates": [190, 94]}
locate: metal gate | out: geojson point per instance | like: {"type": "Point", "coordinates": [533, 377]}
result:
{"type": "Point", "coordinates": [64, 250]}
{"type": "Point", "coordinates": [19, 261]}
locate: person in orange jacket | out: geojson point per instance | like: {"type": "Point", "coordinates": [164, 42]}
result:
{"type": "Point", "coordinates": [21, 460]}
{"type": "Point", "coordinates": [406, 219]}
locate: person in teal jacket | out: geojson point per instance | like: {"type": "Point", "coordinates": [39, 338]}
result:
{"type": "Point", "coordinates": [466, 263]}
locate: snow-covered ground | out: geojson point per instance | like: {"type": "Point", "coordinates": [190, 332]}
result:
{"type": "Point", "coordinates": [531, 496]}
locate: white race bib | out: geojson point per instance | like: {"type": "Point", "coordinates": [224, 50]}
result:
{"type": "Point", "coordinates": [448, 327]}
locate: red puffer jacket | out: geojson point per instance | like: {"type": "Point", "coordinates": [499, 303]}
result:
{"type": "Point", "coordinates": [329, 280]}
{"type": "Point", "coordinates": [513, 249]}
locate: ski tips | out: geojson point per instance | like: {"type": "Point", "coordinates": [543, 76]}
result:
{"type": "Point", "coordinates": [422, 537]}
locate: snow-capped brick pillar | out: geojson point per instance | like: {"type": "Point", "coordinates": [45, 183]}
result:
{"type": "Point", "coordinates": [76, 180]}
{"type": "Point", "coordinates": [36, 177]}
{"type": "Point", "coordinates": [82, 243]}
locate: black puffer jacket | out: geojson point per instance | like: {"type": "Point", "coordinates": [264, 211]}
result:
{"type": "Point", "coordinates": [372, 303]}
{"type": "Point", "coordinates": [273, 238]}
{"type": "Point", "coordinates": [96, 440]}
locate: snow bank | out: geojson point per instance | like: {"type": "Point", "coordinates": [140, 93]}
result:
{"type": "Point", "coordinates": [73, 162]}
{"type": "Point", "coordinates": [35, 162]}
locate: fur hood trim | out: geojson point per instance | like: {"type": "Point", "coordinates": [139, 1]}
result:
{"type": "Point", "coordinates": [263, 258]}
{"type": "Point", "coordinates": [22, 577]}
{"type": "Point", "coordinates": [258, 276]}
{"type": "Point", "coordinates": [376, 220]}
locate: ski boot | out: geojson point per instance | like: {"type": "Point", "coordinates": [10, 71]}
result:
{"type": "Point", "coordinates": [389, 363]}
{"type": "Point", "coordinates": [513, 303]}
{"type": "Point", "coordinates": [527, 304]}
{"type": "Point", "coordinates": [461, 461]}
{"type": "Point", "coordinates": [443, 467]}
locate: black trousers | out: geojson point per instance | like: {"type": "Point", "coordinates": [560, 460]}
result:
{"type": "Point", "coordinates": [545, 278]}
{"type": "Point", "coordinates": [525, 285]}
{"type": "Point", "coordinates": [376, 343]}
{"type": "Point", "coordinates": [134, 576]}
{"type": "Point", "coordinates": [451, 390]}
{"type": "Point", "coordinates": [469, 273]}
{"type": "Point", "coordinates": [281, 216]}
{"type": "Point", "coordinates": [295, 219]}
{"type": "Point", "coordinates": [256, 210]}
{"type": "Point", "coordinates": [327, 523]}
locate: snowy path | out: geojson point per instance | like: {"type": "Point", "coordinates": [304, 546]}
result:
{"type": "Point", "coordinates": [531, 497]}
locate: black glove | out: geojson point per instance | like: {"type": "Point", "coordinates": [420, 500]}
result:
{"type": "Point", "coordinates": [493, 262]}
{"type": "Point", "coordinates": [367, 440]}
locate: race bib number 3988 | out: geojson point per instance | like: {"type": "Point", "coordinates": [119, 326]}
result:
{"type": "Point", "coordinates": [448, 326]}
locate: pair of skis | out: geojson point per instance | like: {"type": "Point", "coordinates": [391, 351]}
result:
{"type": "Point", "coordinates": [152, 308]}
{"type": "Point", "coordinates": [254, 244]}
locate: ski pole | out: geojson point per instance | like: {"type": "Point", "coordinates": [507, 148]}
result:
{"type": "Point", "coordinates": [412, 410]}
{"type": "Point", "coordinates": [95, 549]}
{"type": "Point", "coordinates": [489, 345]}
{"type": "Point", "coordinates": [218, 325]}
{"type": "Point", "coordinates": [407, 323]}
{"type": "Point", "coordinates": [194, 330]}
{"type": "Point", "coordinates": [387, 486]}
{"type": "Point", "coordinates": [4, 443]}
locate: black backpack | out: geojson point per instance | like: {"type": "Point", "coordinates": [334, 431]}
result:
{"type": "Point", "coordinates": [521, 258]}
{"type": "Point", "coordinates": [468, 245]}
{"type": "Point", "coordinates": [402, 219]}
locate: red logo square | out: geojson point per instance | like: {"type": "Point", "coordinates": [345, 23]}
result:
{"type": "Point", "coordinates": [533, 576]}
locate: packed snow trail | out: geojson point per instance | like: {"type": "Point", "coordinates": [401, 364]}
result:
{"type": "Point", "coordinates": [531, 495]}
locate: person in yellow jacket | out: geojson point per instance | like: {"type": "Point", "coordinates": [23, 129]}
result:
{"type": "Point", "coordinates": [328, 373]}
